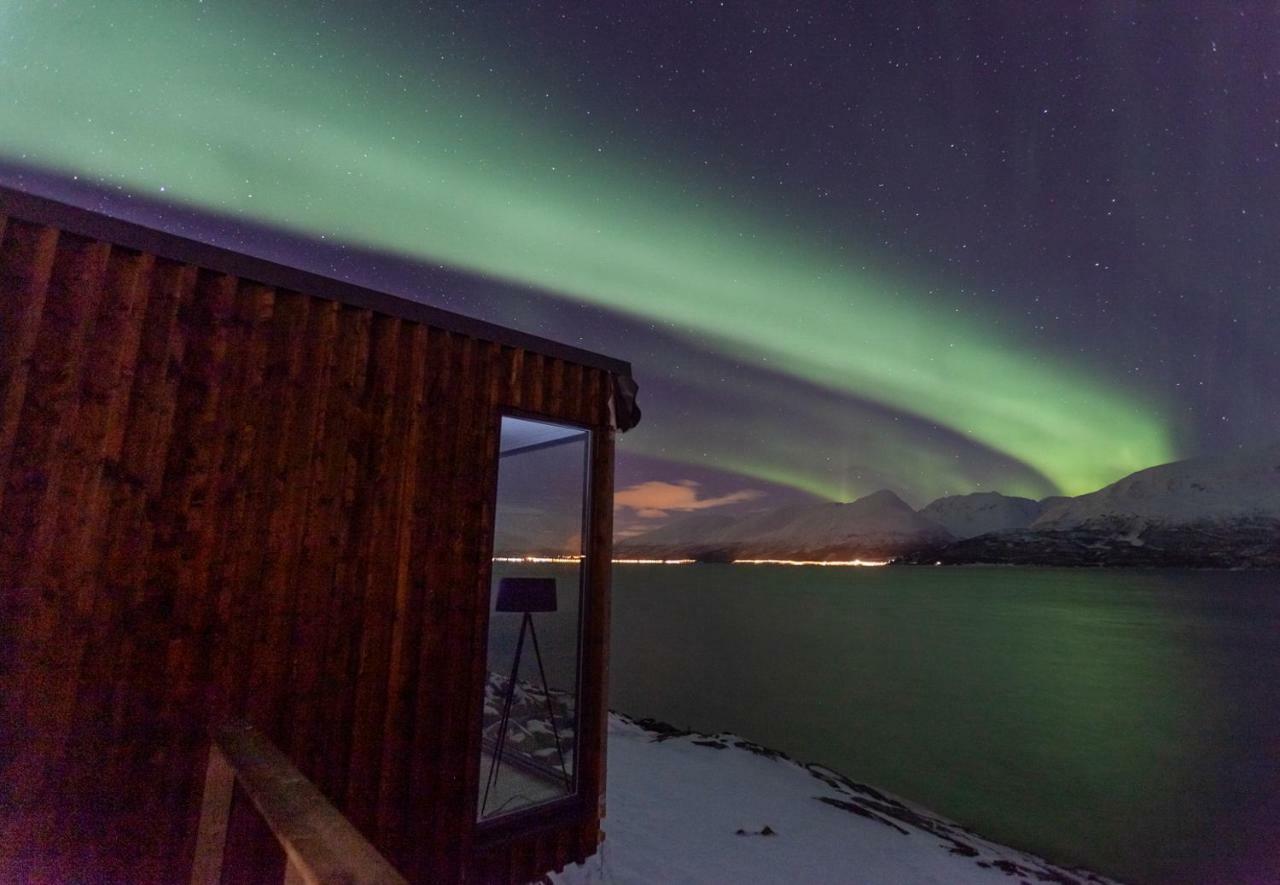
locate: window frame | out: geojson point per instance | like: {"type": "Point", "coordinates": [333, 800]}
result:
{"type": "Point", "coordinates": [571, 808]}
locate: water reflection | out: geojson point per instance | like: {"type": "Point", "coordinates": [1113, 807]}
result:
{"type": "Point", "coordinates": [1122, 720]}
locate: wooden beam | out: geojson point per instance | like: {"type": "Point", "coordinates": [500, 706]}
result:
{"type": "Point", "coordinates": [321, 845]}
{"type": "Point", "coordinates": [215, 812]}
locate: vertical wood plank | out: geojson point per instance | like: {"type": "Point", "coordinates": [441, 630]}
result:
{"type": "Point", "coordinates": [595, 682]}
{"type": "Point", "coordinates": [374, 582]}
{"type": "Point", "coordinates": [55, 397]}
{"type": "Point", "coordinates": [45, 420]}
{"type": "Point", "coordinates": [46, 414]}
{"type": "Point", "coordinates": [209, 619]}
{"type": "Point", "coordinates": [78, 502]}
{"type": "Point", "coordinates": [327, 596]}
{"type": "Point", "coordinates": [114, 637]}
{"type": "Point", "coordinates": [533, 383]}
{"type": "Point", "coordinates": [268, 705]}
{"type": "Point", "coordinates": [587, 406]}
{"type": "Point", "coordinates": [245, 422]}
{"type": "Point", "coordinates": [513, 387]}
{"type": "Point", "coordinates": [27, 253]}
{"type": "Point", "coordinates": [425, 381]}
{"type": "Point", "coordinates": [494, 387]}
{"type": "Point", "coordinates": [167, 690]}
{"type": "Point", "coordinates": [555, 386]}
{"type": "Point", "coordinates": [437, 662]}
{"type": "Point", "coordinates": [572, 401]}
{"type": "Point", "coordinates": [473, 550]}
{"type": "Point", "coordinates": [106, 386]}
{"type": "Point", "coordinates": [277, 418]}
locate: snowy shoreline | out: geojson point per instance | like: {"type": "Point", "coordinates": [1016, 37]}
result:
{"type": "Point", "coordinates": [684, 807]}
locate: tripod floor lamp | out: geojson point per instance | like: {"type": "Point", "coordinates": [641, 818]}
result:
{"type": "Point", "coordinates": [524, 596]}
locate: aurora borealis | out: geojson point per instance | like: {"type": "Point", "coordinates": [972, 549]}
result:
{"type": "Point", "coordinates": [832, 271]}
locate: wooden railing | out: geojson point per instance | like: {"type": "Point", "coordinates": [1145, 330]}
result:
{"type": "Point", "coordinates": [320, 844]}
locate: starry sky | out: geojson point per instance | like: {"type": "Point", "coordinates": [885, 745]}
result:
{"type": "Point", "coordinates": [936, 248]}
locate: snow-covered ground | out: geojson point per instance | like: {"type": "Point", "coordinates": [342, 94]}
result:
{"type": "Point", "coordinates": [690, 808]}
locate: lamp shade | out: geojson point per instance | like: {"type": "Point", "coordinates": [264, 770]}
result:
{"type": "Point", "coordinates": [526, 595]}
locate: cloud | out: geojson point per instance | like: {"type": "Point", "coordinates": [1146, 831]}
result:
{"type": "Point", "coordinates": [657, 499]}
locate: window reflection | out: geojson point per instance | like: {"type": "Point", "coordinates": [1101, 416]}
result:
{"type": "Point", "coordinates": [530, 725]}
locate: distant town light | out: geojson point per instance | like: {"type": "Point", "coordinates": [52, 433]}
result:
{"type": "Point", "coordinates": [869, 563]}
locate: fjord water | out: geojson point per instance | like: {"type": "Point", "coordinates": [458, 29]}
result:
{"type": "Point", "coordinates": [1127, 721]}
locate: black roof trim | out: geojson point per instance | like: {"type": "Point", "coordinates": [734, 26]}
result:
{"type": "Point", "coordinates": [73, 219]}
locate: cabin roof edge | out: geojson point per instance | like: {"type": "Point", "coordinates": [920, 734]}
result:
{"type": "Point", "coordinates": [87, 223]}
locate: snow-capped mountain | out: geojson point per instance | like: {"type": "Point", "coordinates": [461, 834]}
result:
{"type": "Point", "coordinates": [1221, 511]}
{"type": "Point", "coordinates": [1236, 486]}
{"type": "Point", "coordinates": [965, 516]}
{"type": "Point", "coordinates": [878, 525]}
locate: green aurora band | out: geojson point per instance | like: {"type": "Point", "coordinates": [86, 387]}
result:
{"type": "Point", "coordinates": [227, 110]}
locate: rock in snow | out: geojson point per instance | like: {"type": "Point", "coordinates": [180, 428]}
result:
{"type": "Point", "coordinates": [690, 808]}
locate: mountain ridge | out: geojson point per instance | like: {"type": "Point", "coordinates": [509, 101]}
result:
{"type": "Point", "coordinates": [879, 525]}
{"type": "Point", "coordinates": [1218, 511]}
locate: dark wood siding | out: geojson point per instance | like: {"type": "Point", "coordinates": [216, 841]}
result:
{"type": "Point", "coordinates": [220, 498]}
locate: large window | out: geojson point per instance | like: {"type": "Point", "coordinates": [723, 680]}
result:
{"type": "Point", "coordinates": [529, 747]}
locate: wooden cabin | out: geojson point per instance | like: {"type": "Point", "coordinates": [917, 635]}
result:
{"type": "Point", "coordinates": [231, 490]}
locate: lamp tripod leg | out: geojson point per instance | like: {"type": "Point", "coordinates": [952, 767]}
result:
{"type": "Point", "coordinates": [492, 780]}
{"type": "Point", "coordinates": [546, 694]}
